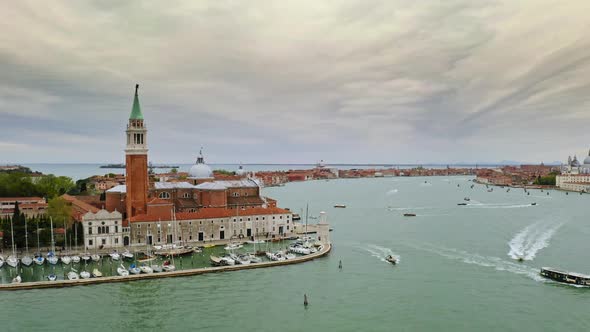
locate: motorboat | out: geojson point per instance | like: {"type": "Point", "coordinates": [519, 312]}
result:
{"type": "Point", "coordinates": [134, 269]}
{"type": "Point", "coordinates": [115, 256]}
{"type": "Point", "coordinates": [17, 279]}
{"type": "Point", "coordinates": [122, 271]}
{"type": "Point", "coordinates": [243, 259]}
{"type": "Point", "coordinates": [276, 256]}
{"type": "Point", "coordinates": [221, 260]}
{"type": "Point", "coordinates": [341, 206]}
{"type": "Point", "coordinates": [85, 275]}
{"type": "Point", "coordinates": [461, 204]}
{"type": "Point", "coordinates": [66, 259]}
{"type": "Point", "coordinates": [391, 259]}
{"type": "Point", "coordinates": [233, 246]}
{"type": "Point", "coordinates": [409, 214]}
{"type": "Point", "coordinates": [72, 275]}
{"type": "Point", "coordinates": [156, 268]}
{"type": "Point", "coordinates": [52, 277]}
{"type": "Point", "coordinates": [96, 273]}
{"type": "Point", "coordinates": [533, 203]}
{"type": "Point", "coordinates": [76, 259]}
{"type": "Point", "coordinates": [168, 267]}
{"type": "Point", "coordinates": [12, 261]}
{"type": "Point", "coordinates": [565, 277]}
{"type": "Point", "coordinates": [127, 255]}
{"type": "Point", "coordinates": [26, 261]}
{"type": "Point", "coordinates": [95, 257]}
{"type": "Point", "coordinates": [145, 269]}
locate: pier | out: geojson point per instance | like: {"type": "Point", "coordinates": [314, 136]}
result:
{"type": "Point", "coordinates": [183, 273]}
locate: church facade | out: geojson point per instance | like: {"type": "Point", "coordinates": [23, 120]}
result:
{"type": "Point", "coordinates": [196, 211]}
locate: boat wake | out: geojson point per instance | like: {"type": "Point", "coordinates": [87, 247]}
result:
{"type": "Point", "coordinates": [380, 252]}
{"type": "Point", "coordinates": [498, 206]}
{"type": "Point", "coordinates": [495, 263]}
{"type": "Point", "coordinates": [391, 208]}
{"type": "Point", "coordinates": [526, 243]}
{"type": "Point", "coordinates": [392, 192]}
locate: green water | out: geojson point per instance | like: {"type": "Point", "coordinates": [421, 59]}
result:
{"type": "Point", "coordinates": [455, 272]}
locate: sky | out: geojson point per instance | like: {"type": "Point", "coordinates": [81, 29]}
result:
{"type": "Point", "coordinates": [365, 81]}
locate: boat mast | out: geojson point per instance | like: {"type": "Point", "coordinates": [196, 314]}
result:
{"type": "Point", "coordinates": [306, 214]}
{"type": "Point", "coordinates": [12, 235]}
{"type": "Point", "coordinates": [38, 249]}
{"type": "Point", "coordinates": [66, 237]}
{"type": "Point", "coordinates": [26, 238]}
{"type": "Point", "coordinates": [52, 239]}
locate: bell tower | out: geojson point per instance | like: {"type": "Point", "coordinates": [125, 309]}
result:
{"type": "Point", "coordinates": [136, 164]}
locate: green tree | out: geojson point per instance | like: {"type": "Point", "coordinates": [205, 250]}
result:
{"type": "Point", "coordinates": [52, 186]}
{"type": "Point", "coordinates": [60, 210]}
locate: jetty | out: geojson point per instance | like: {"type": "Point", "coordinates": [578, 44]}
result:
{"type": "Point", "coordinates": [181, 273]}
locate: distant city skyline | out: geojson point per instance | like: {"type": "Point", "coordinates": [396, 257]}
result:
{"type": "Point", "coordinates": [295, 82]}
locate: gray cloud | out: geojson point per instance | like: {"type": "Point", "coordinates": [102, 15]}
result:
{"type": "Point", "coordinates": [267, 81]}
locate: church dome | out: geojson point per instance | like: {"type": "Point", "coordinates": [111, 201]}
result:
{"type": "Point", "coordinates": [200, 170]}
{"type": "Point", "coordinates": [575, 162]}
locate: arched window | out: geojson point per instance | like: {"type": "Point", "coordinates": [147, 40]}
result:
{"type": "Point", "coordinates": [186, 195]}
{"type": "Point", "coordinates": [164, 195]}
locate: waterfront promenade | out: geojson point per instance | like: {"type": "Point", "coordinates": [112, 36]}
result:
{"type": "Point", "coordinates": [182, 273]}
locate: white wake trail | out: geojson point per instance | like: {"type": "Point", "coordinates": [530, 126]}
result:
{"type": "Point", "coordinates": [531, 239]}
{"type": "Point", "coordinates": [381, 252]}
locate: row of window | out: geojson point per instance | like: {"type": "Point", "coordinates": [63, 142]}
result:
{"type": "Point", "coordinates": [102, 230]}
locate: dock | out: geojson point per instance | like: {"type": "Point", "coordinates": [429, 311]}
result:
{"type": "Point", "coordinates": [182, 273]}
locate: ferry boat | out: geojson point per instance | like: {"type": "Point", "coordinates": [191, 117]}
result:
{"type": "Point", "coordinates": [565, 277]}
{"type": "Point", "coordinates": [340, 206]}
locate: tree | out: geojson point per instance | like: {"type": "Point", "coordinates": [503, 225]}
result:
{"type": "Point", "coordinates": [52, 186]}
{"type": "Point", "coordinates": [60, 210]}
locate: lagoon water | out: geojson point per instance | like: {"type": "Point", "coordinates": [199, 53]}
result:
{"type": "Point", "coordinates": [457, 270]}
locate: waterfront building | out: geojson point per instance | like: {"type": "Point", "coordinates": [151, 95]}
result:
{"type": "Point", "coordinates": [194, 211]}
{"type": "Point", "coordinates": [573, 182]}
{"type": "Point", "coordinates": [29, 206]}
{"type": "Point", "coordinates": [103, 229]}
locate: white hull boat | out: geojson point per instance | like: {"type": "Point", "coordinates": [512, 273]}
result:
{"type": "Point", "coordinates": [85, 275]}
{"type": "Point", "coordinates": [122, 271]}
{"type": "Point", "coordinates": [127, 255]}
{"type": "Point", "coordinates": [146, 269]}
{"type": "Point", "coordinates": [26, 261]}
{"type": "Point", "coordinates": [66, 259]}
{"type": "Point", "coordinates": [52, 277]}
{"type": "Point", "coordinates": [73, 275]}
{"type": "Point", "coordinates": [255, 242]}
{"type": "Point", "coordinates": [75, 259]}
{"type": "Point", "coordinates": [52, 260]}
{"type": "Point", "coordinates": [1, 262]}
{"type": "Point", "coordinates": [168, 267]}
{"type": "Point", "coordinates": [115, 256]}
{"type": "Point", "coordinates": [134, 269]}
{"type": "Point", "coordinates": [39, 260]}
{"type": "Point", "coordinates": [156, 268]}
{"type": "Point", "coordinates": [85, 257]}
{"type": "Point", "coordinates": [12, 261]}
{"type": "Point", "coordinates": [95, 257]}
{"type": "Point", "coordinates": [17, 280]}
{"type": "Point", "coordinates": [233, 246]}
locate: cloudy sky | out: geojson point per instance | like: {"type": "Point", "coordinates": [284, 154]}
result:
{"type": "Point", "coordinates": [296, 81]}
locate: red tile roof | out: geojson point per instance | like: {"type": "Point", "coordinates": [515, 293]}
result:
{"type": "Point", "coordinates": [80, 204]}
{"type": "Point", "coordinates": [13, 199]}
{"type": "Point", "coordinates": [212, 213]}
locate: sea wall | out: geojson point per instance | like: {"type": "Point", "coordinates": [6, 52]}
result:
{"type": "Point", "coordinates": [184, 273]}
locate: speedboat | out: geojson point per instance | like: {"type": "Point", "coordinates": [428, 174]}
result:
{"type": "Point", "coordinates": [233, 246]}
{"type": "Point", "coordinates": [52, 277]}
{"type": "Point", "coordinates": [12, 261]}
{"type": "Point", "coordinates": [115, 256]}
{"type": "Point", "coordinates": [168, 267]}
{"type": "Point", "coordinates": [95, 257]}
{"type": "Point", "coordinates": [66, 259]}
{"type": "Point", "coordinates": [39, 260]}
{"type": "Point", "coordinates": [26, 261]}
{"type": "Point", "coordinates": [84, 274]}
{"type": "Point", "coordinates": [73, 275]}
{"type": "Point", "coordinates": [127, 255]}
{"type": "Point", "coordinates": [533, 203]}
{"type": "Point", "coordinates": [222, 261]}
{"type": "Point", "coordinates": [134, 269]}
{"type": "Point", "coordinates": [17, 279]}
{"type": "Point", "coordinates": [391, 259]}
{"type": "Point", "coordinates": [145, 269]}
{"type": "Point", "coordinates": [76, 259]}
{"type": "Point", "coordinates": [96, 273]}
{"type": "Point", "coordinates": [122, 271]}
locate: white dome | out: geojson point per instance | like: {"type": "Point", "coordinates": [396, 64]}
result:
{"type": "Point", "coordinates": [241, 171]}
{"type": "Point", "coordinates": [200, 171]}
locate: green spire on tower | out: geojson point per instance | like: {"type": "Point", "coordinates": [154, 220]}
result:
{"type": "Point", "coordinates": [136, 110]}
